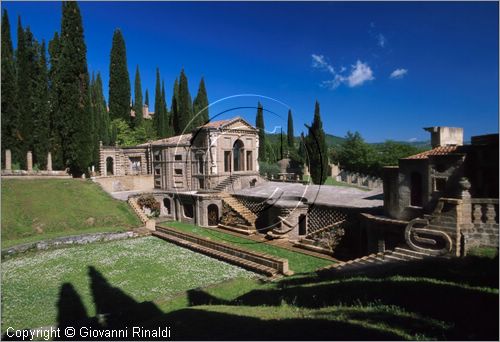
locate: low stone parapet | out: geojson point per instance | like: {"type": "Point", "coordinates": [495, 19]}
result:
{"type": "Point", "coordinates": [258, 262]}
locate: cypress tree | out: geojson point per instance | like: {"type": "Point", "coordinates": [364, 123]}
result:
{"type": "Point", "coordinates": [10, 109]}
{"type": "Point", "coordinates": [158, 105]}
{"type": "Point", "coordinates": [166, 128]}
{"type": "Point", "coordinates": [259, 123]}
{"type": "Point", "coordinates": [174, 109]}
{"type": "Point", "coordinates": [316, 148]}
{"type": "Point", "coordinates": [41, 116]}
{"type": "Point", "coordinates": [290, 137]}
{"type": "Point", "coordinates": [102, 113]}
{"type": "Point", "coordinates": [137, 99]}
{"type": "Point", "coordinates": [74, 104]}
{"type": "Point", "coordinates": [55, 144]}
{"type": "Point", "coordinates": [200, 105]}
{"type": "Point", "coordinates": [119, 82]}
{"type": "Point", "coordinates": [26, 81]}
{"type": "Point", "coordinates": [185, 109]}
{"type": "Point", "coordinates": [146, 100]}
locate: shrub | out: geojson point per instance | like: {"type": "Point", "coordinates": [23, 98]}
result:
{"type": "Point", "coordinates": [148, 201]}
{"type": "Point", "coordinates": [266, 169]}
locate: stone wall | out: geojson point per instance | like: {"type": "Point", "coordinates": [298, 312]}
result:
{"type": "Point", "coordinates": [359, 179]}
{"type": "Point", "coordinates": [126, 183]}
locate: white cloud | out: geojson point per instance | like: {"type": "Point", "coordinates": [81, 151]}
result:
{"type": "Point", "coordinates": [360, 73]}
{"type": "Point", "coordinates": [381, 40]}
{"type": "Point", "coordinates": [398, 73]}
{"type": "Point", "coordinates": [412, 139]}
{"type": "Point", "coordinates": [319, 62]}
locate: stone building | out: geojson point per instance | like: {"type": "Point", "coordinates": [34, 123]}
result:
{"type": "Point", "coordinates": [441, 201]}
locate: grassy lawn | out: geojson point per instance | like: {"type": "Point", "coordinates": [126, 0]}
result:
{"type": "Point", "coordinates": [38, 209]}
{"type": "Point", "coordinates": [102, 276]}
{"type": "Point", "coordinates": [298, 262]}
{"type": "Point", "coordinates": [331, 181]}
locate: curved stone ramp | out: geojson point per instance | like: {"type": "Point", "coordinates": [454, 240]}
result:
{"type": "Point", "coordinates": [257, 262]}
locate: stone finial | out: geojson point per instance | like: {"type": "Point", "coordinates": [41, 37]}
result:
{"type": "Point", "coordinates": [8, 161]}
{"type": "Point", "coordinates": [49, 161]}
{"type": "Point", "coordinates": [29, 161]}
{"type": "Point", "coordinates": [464, 187]}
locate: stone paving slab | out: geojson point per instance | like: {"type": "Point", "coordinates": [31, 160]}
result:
{"type": "Point", "coordinates": [322, 194]}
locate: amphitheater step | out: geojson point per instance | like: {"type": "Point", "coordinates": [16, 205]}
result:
{"type": "Point", "coordinates": [250, 265]}
{"type": "Point", "coordinates": [240, 208]}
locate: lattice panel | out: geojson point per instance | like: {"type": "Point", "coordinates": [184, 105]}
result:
{"type": "Point", "coordinates": [255, 205]}
{"type": "Point", "coordinates": [319, 217]}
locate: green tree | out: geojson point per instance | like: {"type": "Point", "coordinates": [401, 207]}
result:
{"type": "Point", "coordinates": [158, 105]}
{"type": "Point", "coordinates": [356, 155]}
{"type": "Point", "coordinates": [317, 149]}
{"type": "Point", "coordinates": [124, 134]}
{"type": "Point", "coordinates": [290, 136]}
{"type": "Point", "coordinates": [102, 112]}
{"type": "Point", "coordinates": [166, 128]}
{"type": "Point", "coordinates": [185, 109]}
{"type": "Point", "coordinates": [119, 81]}
{"type": "Point", "coordinates": [26, 84]}
{"type": "Point", "coordinates": [10, 109]}
{"type": "Point", "coordinates": [137, 99]}
{"type": "Point", "coordinates": [74, 106]}
{"type": "Point", "coordinates": [259, 123]}
{"type": "Point", "coordinates": [146, 98]}
{"type": "Point", "coordinates": [55, 142]}
{"type": "Point", "coordinates": [200, 105]}
{"type": "Point", "coordinates": [174, 109]}
{"type": "Point", "coordinates": [41, 110]}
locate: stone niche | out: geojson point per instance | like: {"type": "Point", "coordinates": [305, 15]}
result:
{"type": "Point", "coordinates": [288, 216]}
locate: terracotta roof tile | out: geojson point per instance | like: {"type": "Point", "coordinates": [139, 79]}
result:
{"type": "Point", "coordinates": [438, 151]}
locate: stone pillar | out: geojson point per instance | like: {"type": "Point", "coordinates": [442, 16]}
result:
{"type": "Point", "coordinates": [8, 161]}
{"type": "Point", "coordinates": [29, 161]}
{"type": "Point", "coordinates": [49, 161]}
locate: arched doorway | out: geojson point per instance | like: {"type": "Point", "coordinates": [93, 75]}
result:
{"type": "Point", "coordinates": [213, 215]}
{"type": "Point", "coordinates": [238, 155]}
{"type": "Point", "coordinates": [416, 189]}
{"type": "Point", "coordinates": [166, 205]}
{"type": "Point", "coordinates": [302, 225]}
{"type": "Point", "coordinates": [109, 166]}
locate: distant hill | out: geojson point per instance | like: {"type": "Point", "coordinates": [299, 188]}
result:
{"type": "Point", "coordinates": [336, 141]}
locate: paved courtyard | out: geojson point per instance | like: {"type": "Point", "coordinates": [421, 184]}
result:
{"type": "Point", "coordinates": [328, 194]}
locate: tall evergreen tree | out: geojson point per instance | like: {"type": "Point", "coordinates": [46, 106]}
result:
{"type": "Point", "coordinates": [41, 110]}
{"type": "Point", "coordinates": [26, 82]}
{"type": "Point", "coordinates": [200, 105]}
{"type": "Point", "coordinates": [137, 99]}
{"type": "Point", "coordinates": [290, 137]}
{"type": "Point", "coordinates": [158, 105]}
{"type": "Point", "coordinates": [119, 81]}
{"type": "Point", "coordinates": [102, 113]}
{"type": "Point", "coordinates": [146, 98]}
{"type": "Point", "coordinates": [174, 109]}
{"type": "Point", "coordinates": [10, 109]}
{"type": "Point", "coordinates": [185, 109]}
{"type": "Point", "coordinates": [259, 123]}
{"type": "Point", "coordinates": [317, 149]}
{"type": "Point", "coordinates": [74, 105]}
{"type": "Point", "coordinates": [166, 128]}
{"type": "Point", "coordinates": [55, 142]}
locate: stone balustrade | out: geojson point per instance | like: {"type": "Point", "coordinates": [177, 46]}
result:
{"type": "Point", "coordinates": [484, 211]}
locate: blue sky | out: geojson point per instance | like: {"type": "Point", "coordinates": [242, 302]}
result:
{"type": "Point", "coordinates": [385, 69]}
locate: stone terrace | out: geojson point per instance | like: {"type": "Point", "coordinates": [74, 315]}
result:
{"type": "Point", "coordinates": [340, 196]}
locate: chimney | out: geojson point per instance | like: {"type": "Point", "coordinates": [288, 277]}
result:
{"type": "Point", "coordinates": [446, 136]}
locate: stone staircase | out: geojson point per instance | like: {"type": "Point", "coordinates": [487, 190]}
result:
{"type": "Point", "coordinates": [240, 208]}
{"type": "Point", "coordinates": [383, 259]}
{"type": "Point", "coordinates": [149, 223]}
{"type": "Point", "coordinates": [257, 262]}
{"type": "Point", "coordinates": [222, 186]}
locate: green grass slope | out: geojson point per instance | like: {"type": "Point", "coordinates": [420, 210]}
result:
{"type": "Point", "coordinates": [37, 209]}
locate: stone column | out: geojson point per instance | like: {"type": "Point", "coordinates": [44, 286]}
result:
{"type": "Point", "coordinates": [49, 161]}
{"type": "Point", "coordinates": [8, 161]}
{"type": "Point", "coordinates": [29, 160]}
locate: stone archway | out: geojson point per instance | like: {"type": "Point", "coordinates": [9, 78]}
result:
{"type": "Point", "coordinates": [238, 156]}
{"type": "Point", "coordinates": [213, 215]}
